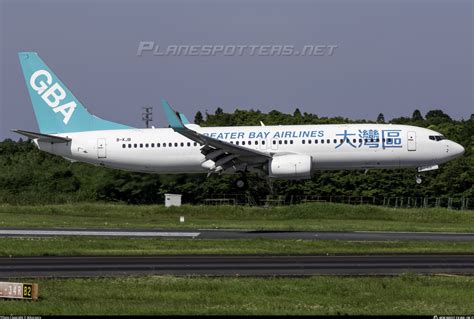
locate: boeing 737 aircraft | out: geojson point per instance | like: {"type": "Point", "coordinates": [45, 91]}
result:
{"type": "Point", "coordinates": [67, 129]}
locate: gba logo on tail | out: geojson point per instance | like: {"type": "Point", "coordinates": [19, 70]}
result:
{"type": "Point", "coordinates": [53, 94]}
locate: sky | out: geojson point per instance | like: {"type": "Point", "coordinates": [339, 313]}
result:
{"type": "Point", "coordinates": [389, 57]}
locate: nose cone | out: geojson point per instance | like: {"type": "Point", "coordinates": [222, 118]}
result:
{"type": "Point", "coordinates": [457, 150]}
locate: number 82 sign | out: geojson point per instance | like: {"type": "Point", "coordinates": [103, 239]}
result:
{"type": "Point", "coordinates": [18, 290]}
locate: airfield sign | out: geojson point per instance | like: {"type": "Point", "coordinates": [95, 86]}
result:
{"type": "Point", "coordinates": [18, 290]}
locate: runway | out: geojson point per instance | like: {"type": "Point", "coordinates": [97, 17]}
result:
{"type": "Point", "coordinates": [237, 234]}
{"type": "Point", "coordinates": [185, 265]}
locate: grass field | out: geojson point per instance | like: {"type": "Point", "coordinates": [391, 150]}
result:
{"type": "Point", "coordinates": [167, 295]}
{"type": "Point", "coordinates": [96, 246]}
{"type": "Point", "coordinates": [314, 216]}
{"type": "Point", "coordinates": [324, 295]}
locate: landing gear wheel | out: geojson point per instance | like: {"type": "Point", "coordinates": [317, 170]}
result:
{"type": "Point", "coordinates": [418, 179]}
{"type": "Point", "coordinates": [241, 183]}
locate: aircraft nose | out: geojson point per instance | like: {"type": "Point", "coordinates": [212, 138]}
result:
{"type": "Point", "coordinates": [457, 149]}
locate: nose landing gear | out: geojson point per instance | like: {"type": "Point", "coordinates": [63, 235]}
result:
{"type": "Point", "coordinates": [418, 179]}
{"type": "Point", "coordinates": [425, 169]}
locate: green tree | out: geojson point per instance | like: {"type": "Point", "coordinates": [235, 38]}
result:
{"type": "Point", "coordinates": [380, 118]}
{"type": "Point", "coordinates": [436, 117]}
{"type": "Point", "coordinates": [297, 114]}
{"type": "Point", "coordinates": [416, 116]}
{"type": "Point", "coordinates": [198, 119]}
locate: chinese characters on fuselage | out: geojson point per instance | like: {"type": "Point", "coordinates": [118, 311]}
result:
{"type": "Point", "coordinates": [370, 138]}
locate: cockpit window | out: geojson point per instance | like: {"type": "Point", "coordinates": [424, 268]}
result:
{"type": "Point", "coordinates": [437, 137]}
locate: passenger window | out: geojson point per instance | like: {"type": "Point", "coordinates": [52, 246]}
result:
{"type": "Point", "coordinates": [182, 144]}
{"type": "Point", "coordinates": [256, 142]}
{"type": "Point", "coordinates": [135, 145]}
{"type": "Point", "coordinates": [309, 141]}
{"type": "Point", "coordinates": [328, 141]}
{"type": "Point", "coordinates": [303, 141]}
{"type": "Point", "coordinates": [157, 144]}
{"type": "Point", "coordinates": [250, 142]}
{"type": "Point", "coordinates": [189, 144]}
{"type": "Point", "coordinates": [123, 145]}
{"type": "Point", "coordinates": [263, 142]}
{"type": "Point", "coordinates": [354, 140]}
{"type": "Point", "coordinates": [164, 144]}
{"type": "Point", "coordinates": [335, 141]}
{"type": "Point", "coordinates": [152, 144]}
{"type": "Point", "coordinates": [322, 141]}
{"type": "Point", "coordinates": [274, 142]}
{"type": "Point", "coordinates": [236, 142]}
{"type": "Point", "coordinates": [129, 145]}
{"type": "Point", "coordinates": [195, 143]}
{"type": "Point", "coordinates": [315, 141]}
{"type": "Point", "coordinates": [170, 144]}
{"type": "Point", "coordinates": [146, 145]}
{"type": "Point", "coordinates": [279, 142]}
{"type": "Point", "coordinates": [285, 141]}
{"type": "Point", "coordinates": [176, 144]}
{"type": "Point", "coordinates": [243, 142]}
{"type": "Point", "coordinates": [141, 145]}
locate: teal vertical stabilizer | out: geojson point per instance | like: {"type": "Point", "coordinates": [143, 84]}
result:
{"type": "Point", "coordinates": [57, 110]}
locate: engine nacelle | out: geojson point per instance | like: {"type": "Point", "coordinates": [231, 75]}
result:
{"type": "Point", "coordinates": [291, 166]}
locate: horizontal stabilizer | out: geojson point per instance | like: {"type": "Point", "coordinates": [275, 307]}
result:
{"type": "Point", "coordinates": [43, 137]}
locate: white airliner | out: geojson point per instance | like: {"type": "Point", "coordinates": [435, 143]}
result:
{"type": "Point", "coordinates": [67, 129]}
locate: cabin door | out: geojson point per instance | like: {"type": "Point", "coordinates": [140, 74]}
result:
{"type": "Point", "coordinates": [101, 148]}
{"type": "Point", "coordinates": [411, 141]}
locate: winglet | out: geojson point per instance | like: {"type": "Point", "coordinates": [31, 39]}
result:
{"type": "Point", "coordinates": [184, 119]}
{"type": "Point", "coordinates": [173, 120]}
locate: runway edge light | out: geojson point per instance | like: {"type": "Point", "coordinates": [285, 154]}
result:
{"type": "Point", "coordinates": [15, 290]}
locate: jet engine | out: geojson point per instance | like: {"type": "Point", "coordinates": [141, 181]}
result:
{"type": "Point", "coordinates": [290, 166]}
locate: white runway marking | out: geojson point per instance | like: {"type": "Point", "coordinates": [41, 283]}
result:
{"type": "Point", "coordinates": [30, 232]}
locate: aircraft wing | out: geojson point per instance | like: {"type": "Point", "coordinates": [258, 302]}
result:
{"type": "Point", "coordinates": [43, 137]}
{"type": "Point", "coordinates": [222, 153]}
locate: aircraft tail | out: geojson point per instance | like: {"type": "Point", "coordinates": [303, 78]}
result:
{"type": "Point", "coordinates": [57, 110]}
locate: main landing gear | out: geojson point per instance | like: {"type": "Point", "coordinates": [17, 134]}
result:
{"type": "Point", "coordinates": [241, 182]}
